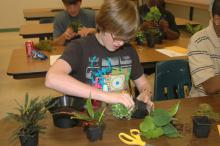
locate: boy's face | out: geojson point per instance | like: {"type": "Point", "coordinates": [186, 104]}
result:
{"type": "Point", "coordinates": [153, 3]}
{"type": "Point", "coordinates": [111, 42]}
{"type": "Point", "coordinates": [73, 9]}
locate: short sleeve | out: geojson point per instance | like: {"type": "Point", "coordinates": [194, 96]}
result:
{"type": "Point", "coordinates": [72, 54]}
{"type": "Point", "coordinates": [136, 70]}
{"type": "Point", "coordinates": [201, 65]}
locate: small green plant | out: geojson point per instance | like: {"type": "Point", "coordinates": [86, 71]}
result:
{"type": "Point", "coordinates": [92, 117]}
{"type": "Point", "coordinates": [206, 110]}
{"type": "Point", "coordinates": [75, 25]}
{"type": "Point", "coordinates": [29, 116]}
{"type": "Point", "coordinates": [158, 123]}
{"type": "Point", "coordinates": [140, 36]}
{"type": "Point", "coordinates": [120, 111]}
{"type": "Point", "coordinates": [153, 15]}
{"type": "Point", "coordinates": [45, 45]}
{"type": "Point", "coordinates": [193, 28]}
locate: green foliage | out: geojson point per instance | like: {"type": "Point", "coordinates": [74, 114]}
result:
{"type": "Point", "coordinates": [140, 36]}
{"type": "Point", "coordinates": [206, 110]}
{"type": "Point", "coordinates": [120, 111]}
{"type": "Point", "coordinates": [153, 15]}
{"type": "Point", "coordinates": [29, 115]}
{"type": "Point", "coordinates": [158, 123]}
{"type": "Point", "coordinates": [193, 28]}
{"type": "Point", "coordinates": [75, 25]}
{"type": "Point", "coordinates": [92, 117]}
{"type": "Point", "coordinates": [45, 45]}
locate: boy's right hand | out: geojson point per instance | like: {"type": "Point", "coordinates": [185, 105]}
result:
{"type": "Point", "coordinates": [69, 34]}
{"type": "Point", "coordinates": [122, 98]}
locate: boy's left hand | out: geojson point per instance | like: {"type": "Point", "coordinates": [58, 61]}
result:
{"type": "Point", "coordinates": [145, 96]}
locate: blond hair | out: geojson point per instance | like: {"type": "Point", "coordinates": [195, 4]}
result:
{"type": "Point", "coordinates": [119, 17]}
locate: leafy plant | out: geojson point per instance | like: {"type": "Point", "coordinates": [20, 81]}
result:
{"type": "Point", "coordinates": [194, 28]}
{"type": "Point", "coordinates": [92, 117]}
{"type": "Point", "coordinates": [153, 15]}
{"type": "Point", "coordinates": [120, 111]}
{"type": "Point", "coordinates": [140, 36]}
{"type": "Point", "coordinates": [158, 123]}
{"type": "Point", "coordinates": [45, 45]}
{"type": "Point", "coordinates": [75, 25]}
{"type": "Point", "coordinates": [206, 110]}
{"type": "Point", "coordinates": [29, 115]}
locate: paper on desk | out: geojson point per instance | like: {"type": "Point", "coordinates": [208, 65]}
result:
{"type": "Point", "coordinates": [53, 58]}
{"type": "Point", "coordinates": [173, 51]}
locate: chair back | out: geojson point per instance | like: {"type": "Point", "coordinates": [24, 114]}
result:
{"type": "Point", "coordinates": [172, 80]}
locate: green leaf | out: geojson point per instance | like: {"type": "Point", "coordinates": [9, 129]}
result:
{"type": "Point", "coordinates": [89, 107]}
{"type": "Point", "coordinates": [169, 129]}
{"type": "Point", "coordinates": [161, 117]}
{"type": "Point", "coordinates": [173, 110]}
{"type": "Point", "coordinates": [147, 124]}
{"type": "Point", "coordinates": [154, 133]}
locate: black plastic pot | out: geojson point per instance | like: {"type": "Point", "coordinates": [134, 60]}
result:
{"type": "Point", "coordinates": [94, 132]}
{"type": "Point", "coordinates": [140, 110]}
{"type": "Point", "coordinates": [29, 140]}
{"type": "Point", "coordinates": [139, 41]}
{"type": "Point", "coordinates": [150, 40]}
{"type": "Point", "coordinates": [67, 104]}
{"type": "Point", "coordinates": [201, 126]}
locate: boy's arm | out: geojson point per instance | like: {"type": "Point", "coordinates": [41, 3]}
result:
{"type": "Point", "coordinates": [58, 78]}
{"type": "Point", "coordinates": [212, 85]}
{"type": "Point", "coordinates": [144, 88]}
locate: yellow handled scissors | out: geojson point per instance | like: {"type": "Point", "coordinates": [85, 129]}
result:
{"type": "Point", "coordinates": [132, 139]}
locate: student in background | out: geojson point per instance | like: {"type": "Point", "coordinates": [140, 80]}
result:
{"type": "Point", "coordinates": [167, 22]}
{"type": "Point", "coordinates": [103, 61]}
{"type": "Point", "coordinates": [63, 33]}
{"type": "Point", "coordinates": [204, 57]}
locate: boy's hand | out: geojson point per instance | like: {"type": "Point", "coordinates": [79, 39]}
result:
{"type": "Point", "coordinates": [84, 31]}
{"type": "Point", "coordinates": [164, 25]}
{"type": "Point", "coordinates": [148, 25]}
{"type": "Point", "coordinates": [122, 98]}
{"type": "Point", "coordinates": [145, 96]}
{"type": "Point", "coordinates": [69, 33]}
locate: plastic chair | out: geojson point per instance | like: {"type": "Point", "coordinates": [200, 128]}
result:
{"type": "Point", "coordinates": [43, 21]}
{"type": "Point", "coordinates": [172, 80]}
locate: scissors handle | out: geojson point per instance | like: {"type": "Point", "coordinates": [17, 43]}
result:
{"type": "Point", "coordinates": [134, 139]}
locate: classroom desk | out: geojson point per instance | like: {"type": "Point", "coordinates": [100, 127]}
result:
{"type": "Point", "coordinates": [21, 66]}
{"type": "Point", "coordinates": [36, 30]}
{"type": "Point", "coordinates": [39, 13]}
{"type": "Point", "coordinates": [46, 30]}
{"type": "Point", "coordinates": [75, 136]}
{"type": "Point", "coordinates": [200, 4]}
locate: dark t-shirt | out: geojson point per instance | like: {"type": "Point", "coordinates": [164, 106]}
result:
{"type": "Point", "coordinates": [62, 20]}
{"type": "Point", "coordinates": [93, 64]}
{"type": "Point", "coordinates": [168, 16]}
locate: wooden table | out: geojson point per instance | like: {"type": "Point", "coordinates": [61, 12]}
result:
{"type": "Point", "coordinates": [32, 30]}
{"type": "Point", "coordinates": [21, 66]}
{"type": "Point", "coordinates": [36, 30]}
{"type": "Point", "coordinates": [39, 13]}
{"type": "Point", "coordinates": [75, 136]}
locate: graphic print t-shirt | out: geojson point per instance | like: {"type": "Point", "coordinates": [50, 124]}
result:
{"type": "Point", "coordinates": [93, 64]}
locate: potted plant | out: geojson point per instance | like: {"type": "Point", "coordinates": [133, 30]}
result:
{"type": "Point", "coordinates": [192, 29]}
{"type": "Point", "coordinates": [153, 34]}
{"type": "Point", "coordinates": [92, 120]}
{"type": "Point", "coordinates": [29, 116]}
{"type": "Point", "coordinates": [140, 38]}
{"type": "Point", "coordinates": [201, 126]}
